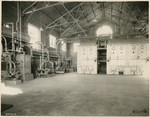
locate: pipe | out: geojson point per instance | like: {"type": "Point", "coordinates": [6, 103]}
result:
{"type": "Point", "coordinates": [5, 43]}
{"type": "Point", "coordinates": [10, 66]}
{"type": "Point", "coordinates": [17, 19]}
{"type": "Point", "coordinates": [31, 51]}
{"type": "Point", "coordinates": [41, 57]}
{"type": "Point", "coordinates": [57, 43]}
{"type": "Point", "coordinates": [20, 28]}
{"type": "Point", "coordinates": [47, 54]}
{"type": "Point", "coordinates": [13, 46]}
{"type": "Point", "coordinates": [40, 63]}
{"type": "Point", "coordinates": [12, 35]}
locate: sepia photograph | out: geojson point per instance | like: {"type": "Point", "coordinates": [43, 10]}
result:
{"type": "Point", "coordinates": [74, 58]}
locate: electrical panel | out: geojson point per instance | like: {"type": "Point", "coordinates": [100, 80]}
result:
{"type": "Point", "coordinates": [127, 58]}
{"type": "Point", "coordinates": [87, 60]}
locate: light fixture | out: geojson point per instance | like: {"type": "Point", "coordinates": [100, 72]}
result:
{"type": "Point", "coordinates": [7, 25]}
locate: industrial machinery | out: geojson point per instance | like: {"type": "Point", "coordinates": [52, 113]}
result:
{"type": "Point", "coordinates": [9, 69]}
{"type": "Point", "coordinates": [13, 46]}
{"type": "Point", "coordinates": [46, 67]}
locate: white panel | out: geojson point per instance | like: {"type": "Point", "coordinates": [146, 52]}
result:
{"type": "Point", "coordinates": [86, 58]}
{"type": "Point", "coordinates": [127, 70]}
{"type": "Point", "coordinates": [121, 62]}
{"type": "Point", "coordinates": [132, 51]}
{"type": "Point", "coordinates": [83, 63]}
{"type": "Point", "coordinates": [113, 62]}
{"type": "Point", "coordinates": [113, 52]}
{"type": "Point", "coordinates": [141, 63]}
{"type": "Point", "coordinates": [142, 51]}
{"type": "Point", "coordinates": [121, 52]}
{"type": "Point", "coordinates": [132, 62]}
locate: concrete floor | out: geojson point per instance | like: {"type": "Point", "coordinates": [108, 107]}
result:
{"type": "Point", "coordinates": [85, 95]}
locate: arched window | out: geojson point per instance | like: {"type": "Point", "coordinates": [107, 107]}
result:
{"type": "Point", "coordinates": [104, 31]}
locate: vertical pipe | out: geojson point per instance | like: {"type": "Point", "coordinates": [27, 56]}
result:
{"type": "Point", "coordinates": [20, 28]}
{"type": "Point", "coordinates": [23, 75]}
{"type": "Point", "coordinates": [5, 43]}
{"type": "Point", "coordinates": [47, 55]}
{"type": "Point", "coordinates": [13, 48]}
{"type": "Point", "coordinates": [17, 19]}
{"type": "Point", "coordinates": [40, 62]}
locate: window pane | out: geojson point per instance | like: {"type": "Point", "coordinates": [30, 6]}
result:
{"type": "Point", "coordinates": [35, 36]}
{"type": "Point", "coordinates": [52, 41]}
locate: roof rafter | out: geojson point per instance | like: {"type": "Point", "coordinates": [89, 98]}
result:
{"type": "Point", "coordinates": [84, 14]}
{"type": "Point", "coordinates": [71, 25]}
{"type": "Point", "coordinates": [39, 12]}
{"type": "Point", "coordinates": [38, 9]}
{"type": "Point", "coordinates": [63, 15]}
{"type": "Point", "coordinates": [74, 19]}
{"type": "Point", "coordinates": [131, 12]}
{"type": "Point", "coordinates": [60, 14]}
{"type": "Point", "coordinates": [29, 7]}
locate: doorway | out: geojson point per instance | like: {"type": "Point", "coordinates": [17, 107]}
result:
{"type": "Point", "coordinates": [101, 57]}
